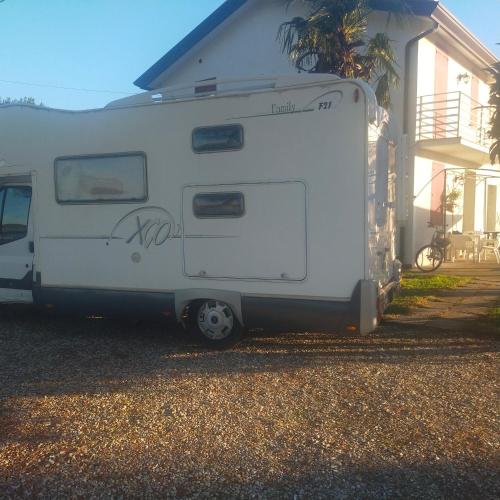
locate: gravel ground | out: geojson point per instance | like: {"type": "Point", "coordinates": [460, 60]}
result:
{"type": "Point", "coordinates": [99, 408]}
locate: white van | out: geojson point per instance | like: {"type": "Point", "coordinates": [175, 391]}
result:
{"type": "Point", "coordinates": [236, 204]}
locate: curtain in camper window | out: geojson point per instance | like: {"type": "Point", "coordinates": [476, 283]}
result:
{"type": "Point", "coordinates": [110, 178]}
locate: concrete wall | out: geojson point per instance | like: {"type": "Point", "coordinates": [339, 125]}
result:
{"type": "Point", "coordinates": [426, 73]}
{"type": "Point", "coordinates": [244, 45]}
{"type": "Point", "coordinates": [422, 201]}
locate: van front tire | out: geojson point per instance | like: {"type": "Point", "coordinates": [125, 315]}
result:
{"type": "Point", "coordinates": [215, 324]}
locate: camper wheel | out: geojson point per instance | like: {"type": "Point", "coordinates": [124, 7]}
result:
{"type": "Point", "coordinates": [216, 324]}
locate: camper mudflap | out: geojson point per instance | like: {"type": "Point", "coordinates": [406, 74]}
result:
{"type": "Point", "coordinates": [360, 314]}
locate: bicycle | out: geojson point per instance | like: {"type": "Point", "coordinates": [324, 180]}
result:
{"type": "Point", "coordinates": [431, 256]}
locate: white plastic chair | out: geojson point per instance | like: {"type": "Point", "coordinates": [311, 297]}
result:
{"type": "Point", "coordinates": [490, 246]}
{"type": "Point", "coordinates": [462, 243]}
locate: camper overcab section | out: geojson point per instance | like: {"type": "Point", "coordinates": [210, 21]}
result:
{"type": "Point", "coordinates": [265, 202]}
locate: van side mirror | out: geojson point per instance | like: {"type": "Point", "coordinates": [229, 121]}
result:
{"type": "Point", "coordinates": [32, 246]}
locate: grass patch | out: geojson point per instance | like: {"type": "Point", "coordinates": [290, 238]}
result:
{"type": "Point", "coordinates": [424, 283]}
{"type": "Point", "coordinates": [403, 304]}
{"type": "Point", "coordinates": [418, 291]}
{"type": "Point", "coordinates": [495, 317]}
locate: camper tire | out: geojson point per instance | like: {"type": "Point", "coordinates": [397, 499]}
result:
{"type": "Point", "coordinates": [215, 323]}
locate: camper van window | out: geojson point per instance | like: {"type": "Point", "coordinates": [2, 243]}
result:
{"type": "Point", "coordinates": [218, 205]}
{"type": "Point", "coordinates": [222, 138]}
{"type": "Point", "coordinates": [15, 202]}
{"type": "Point", "coordinates": [101, 179]}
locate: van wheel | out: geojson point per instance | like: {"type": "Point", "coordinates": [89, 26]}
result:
{"type": "Point", "coordinates": [215, 323]}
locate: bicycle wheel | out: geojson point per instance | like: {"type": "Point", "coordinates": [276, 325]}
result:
{"type": "Point", "coordinates": [429, 258]}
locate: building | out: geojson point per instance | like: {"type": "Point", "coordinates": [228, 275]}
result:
{"type": "Point", "coordinates": [441, 103]}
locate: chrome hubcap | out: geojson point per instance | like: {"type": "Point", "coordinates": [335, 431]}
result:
{"type": "Point", "coordinates": [215, 320]}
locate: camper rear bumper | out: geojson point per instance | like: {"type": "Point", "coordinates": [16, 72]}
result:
{"type": "Point", "coordinates": [299, 314]}
{"type": "Point", "coordinates": [361, 314]}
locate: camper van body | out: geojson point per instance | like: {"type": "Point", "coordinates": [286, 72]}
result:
{"type": "Point", "coordinates": [274, 198]}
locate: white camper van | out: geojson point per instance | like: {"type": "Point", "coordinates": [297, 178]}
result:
{"type": "Point", "coordinates": [233, 204]}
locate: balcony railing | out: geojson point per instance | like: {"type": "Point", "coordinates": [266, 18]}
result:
{"type": "Point", "coordinates": [453, 115]}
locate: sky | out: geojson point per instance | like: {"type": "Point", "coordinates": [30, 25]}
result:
{"type": "Point", "coordinates": [51, 48]}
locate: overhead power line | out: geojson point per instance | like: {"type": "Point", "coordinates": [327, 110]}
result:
{"type": "Point", "coordinates": [60, 87]}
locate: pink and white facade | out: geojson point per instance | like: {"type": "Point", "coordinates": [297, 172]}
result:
{"type": "Point", "coordinates": [453, 178]}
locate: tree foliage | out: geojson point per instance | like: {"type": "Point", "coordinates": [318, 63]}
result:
{"type": "Point", "coordinates": [495, 118]}
{"type": "Point", "coordinates": [333, 39]}
{"type": "Point", "coordinates": [23, 100]}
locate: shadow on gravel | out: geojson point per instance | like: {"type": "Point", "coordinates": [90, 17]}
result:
{"type": "Point", "coordinates": [316, 479]}
{"type": "Point", "coordinates": [42, 354]}
{"type": "Point", "coordinates": [439, 480]}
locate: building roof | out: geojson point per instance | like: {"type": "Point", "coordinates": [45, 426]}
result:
{"type": "Point", "coordinates": [461, 43]}
{"type": "Point", "coordinates": [226, 10]}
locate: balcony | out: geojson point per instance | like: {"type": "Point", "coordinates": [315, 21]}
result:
{"type": "Point", "coordinates": [453, 128]}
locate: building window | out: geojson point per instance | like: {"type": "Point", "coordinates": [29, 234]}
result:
{"type": "Point", "coordinates": [101, 179]}
{"type": "Point", "coordinates": [215, 139]}
{"type": "Point", "coordinates": [15, 208]}
{"type": "Point", "coordinates": [218, 205]}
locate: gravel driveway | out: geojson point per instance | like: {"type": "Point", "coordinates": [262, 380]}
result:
{"type": "Point", "coordinates": [98, 408]}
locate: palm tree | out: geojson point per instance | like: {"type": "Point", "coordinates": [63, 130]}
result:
{"type": "Point", "coordinates": [495, 118]}
{"type": "Point", "coordinates": [332, 39]}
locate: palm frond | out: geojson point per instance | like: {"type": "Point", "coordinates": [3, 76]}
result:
{"type": "Point", "coordinates": [332, 39]}
{"type": "Point", "coordinates": [383, 92]}
{"type": "Point", "coordinates": [382, 57]}
{"type": "Point", "coordinates": [495, 152]}
{"type": "Point", "coordinates": [494, 102]}
{"type": "Point", "coordinates": [399, 10]}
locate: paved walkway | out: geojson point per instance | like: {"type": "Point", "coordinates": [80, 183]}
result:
{"type": "Point", "coordinates": [464, 308]}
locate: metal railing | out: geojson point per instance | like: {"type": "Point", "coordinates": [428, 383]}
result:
{"type": "Point", "coordinates": [453, 115]}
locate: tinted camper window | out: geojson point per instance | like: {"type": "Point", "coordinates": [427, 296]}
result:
{"type": "Point", "coordinates": [218, 205]}
{"type": "Point", "coordinates": [222, 138]}
{"type": "Point", "coordinates": [99, 179]}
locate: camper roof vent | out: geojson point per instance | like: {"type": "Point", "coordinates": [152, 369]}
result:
{"type": "Point", "coordinates": [214, 86]}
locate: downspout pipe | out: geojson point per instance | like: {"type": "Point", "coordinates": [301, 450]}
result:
{"type": "Point", "coordinates": [410, 44]}
{"type": "Point", "coordinates": [406, 231]}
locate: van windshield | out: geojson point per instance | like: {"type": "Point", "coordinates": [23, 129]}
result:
{"type": "Point", "coordinates": [15, 212]}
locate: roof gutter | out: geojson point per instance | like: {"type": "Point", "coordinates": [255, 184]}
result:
{"type": "Point", "coordinates": [407, 234]}
{"type": "Point", "coordinates": [411, 43]}
{"type": "Point", "coordinates": [461, 36]}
